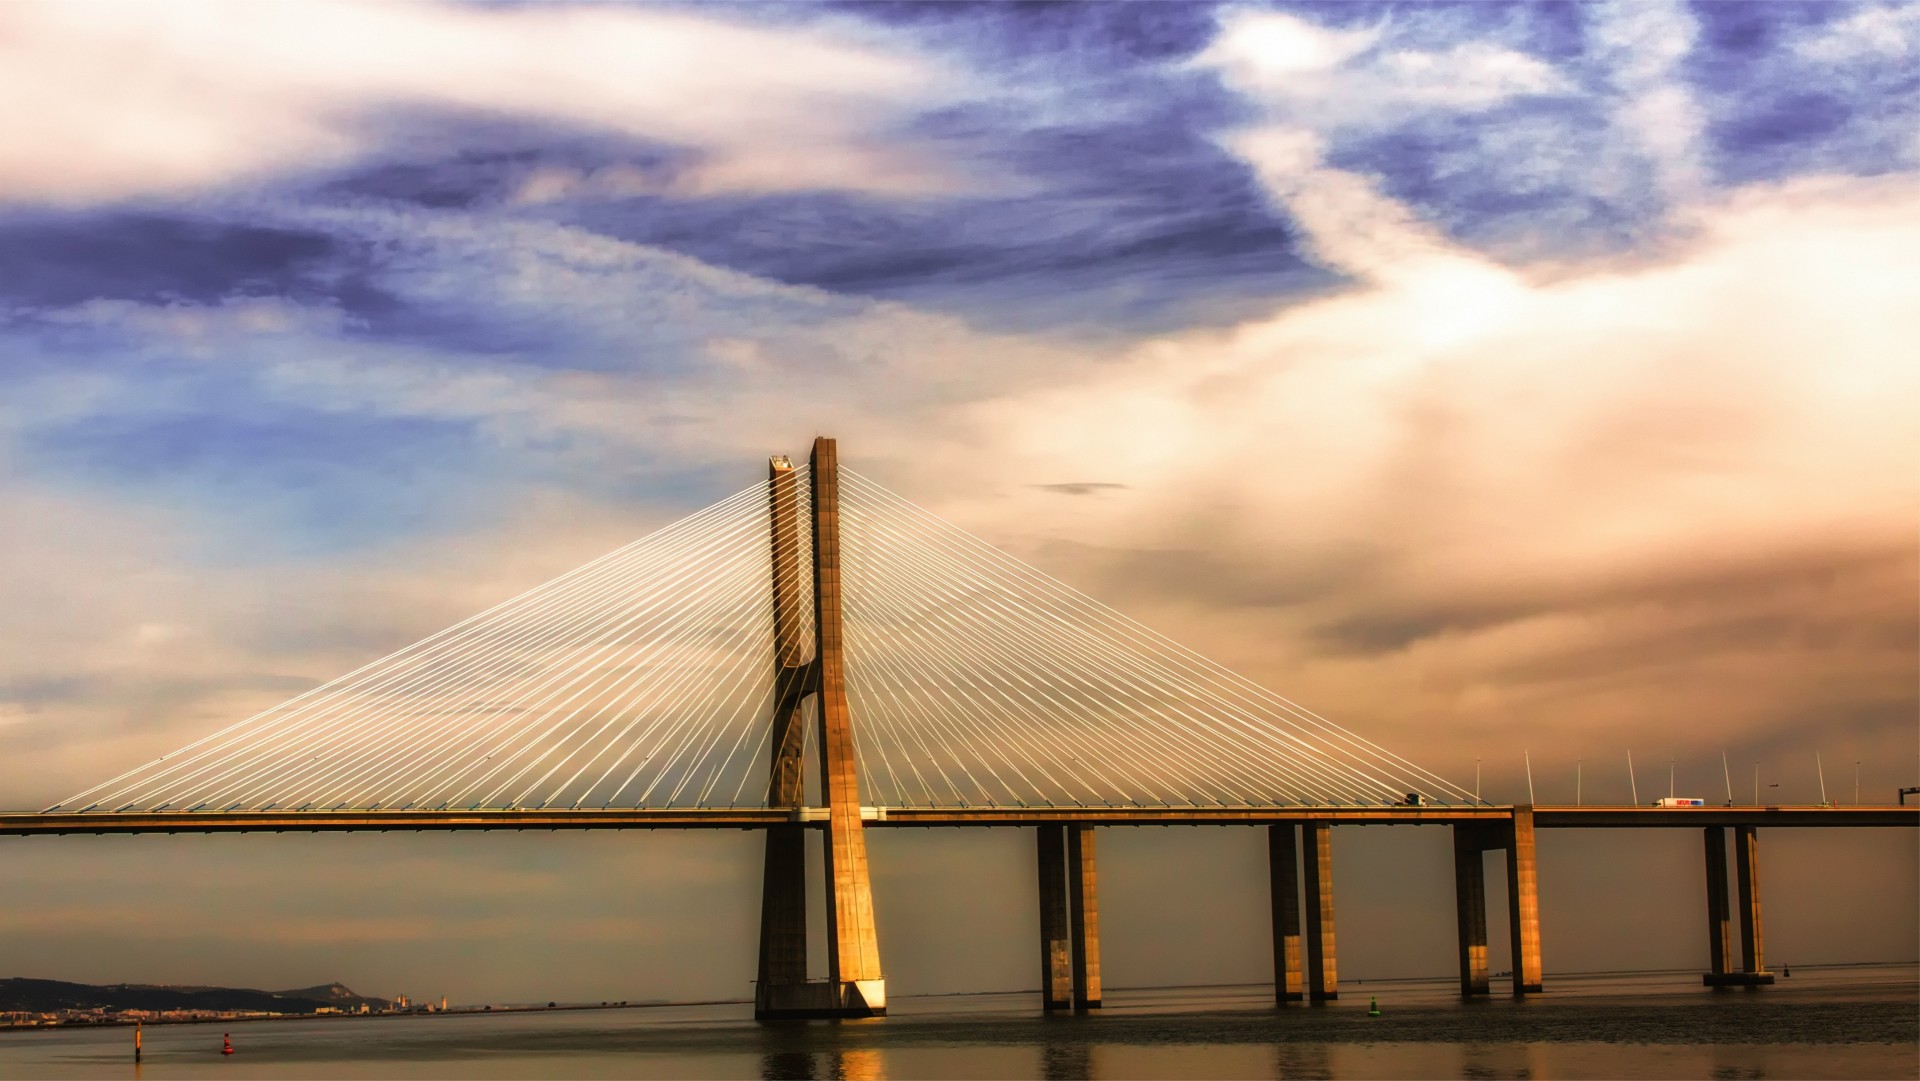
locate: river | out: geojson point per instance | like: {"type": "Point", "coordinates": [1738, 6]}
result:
{"type": "Point", "coordinates": [1830, 1022]}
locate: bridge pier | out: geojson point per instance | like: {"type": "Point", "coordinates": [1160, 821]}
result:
{"type": "Point", "coordinates": [1470, 845]}
{"type": "Point", "coordinates": [1323, 980]}
{"type": "Point", "coordinates": [1753, 957]}
{"type": "Point", "coordinates": [1471, 842]}
{"type": "Point", "coordinates": [1523, 904]}
{"type": "Point", "coordinates": [1056, 943]}
{"type": "Point", "coordinates": [1283, 871]}
{"type": "Point", "coordinates": [1719, 925]}
{"type": "Point", "coordinates": [1069, 919]}
{"type": "Point", "coordinates": [1083, 896]}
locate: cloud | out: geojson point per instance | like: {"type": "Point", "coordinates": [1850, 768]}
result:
{"type": "Point", "coordinates": [1487, 495]}
{"type": "Point", "coordinates": [1314, 75]}
{"type": "Point", "coordinates": [117, 100]}
{"type": "Point", "coordinates": [1314, 86]}
{"type": "Point", "coordinates": [1873, 32]}
{"type": "Point", "coordinates": [1641, 48]}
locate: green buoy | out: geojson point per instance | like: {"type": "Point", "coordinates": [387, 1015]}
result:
{"type": "Point", "coordinates": [1373, 1007]}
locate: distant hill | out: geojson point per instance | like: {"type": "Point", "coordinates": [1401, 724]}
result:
{"type": "Point", "coordinates": [335, 994]}
{"type": "Point", "coordinates": [44, 996]}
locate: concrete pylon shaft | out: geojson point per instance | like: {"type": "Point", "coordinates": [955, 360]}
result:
{"type": "Point", "coordinates": [1746, 856]}
{"type": "Point", "coordinates": [1083, 903]}
{"type": "Point", "coordinates": [1719, 925]}
{"type": "Point", "coordinates": [1470, 904]}
{"type": "Point", "coordinates": [794, 674]}
{"type": "Point", "coordinates": [1523, 904]}
{"type": "Point", "coordinates": [853, 943]}
{"type": "Point", "coordinates": [1323, 979]}
{"type": "Point", "coordinates": [1056, 929]}
{"type": "Point", "coordinates": [783, 898]}
{"type": "Point", "coordinates": [1283, 873]}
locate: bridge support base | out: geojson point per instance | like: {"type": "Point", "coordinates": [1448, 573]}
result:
{"type": "Point", "coordinates": [1523, 904]}
{"type": "Point", "coordinates": [1470, 844]}
{"type": "Point", "coordinates": [1323, 979]}
{"type": "Point", "coordinates": [820, 999]}
{"type": "Point", "coordinates": [1056, 945]}
{"type": "Point", "coordinates": [1069, 919]}
{"type": "Point", "coordinates": [1283, 870]}
{"type": "Point", "coordinates": [1753, 968]}
{"type": "Point", "coordinates": [1083, 904]}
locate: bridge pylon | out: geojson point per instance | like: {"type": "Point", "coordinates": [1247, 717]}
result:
{"type": "Point", "coordinates": [854, 986]}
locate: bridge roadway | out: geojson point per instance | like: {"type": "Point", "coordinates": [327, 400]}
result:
{"type": "Point", "coordinates": [333, 821]}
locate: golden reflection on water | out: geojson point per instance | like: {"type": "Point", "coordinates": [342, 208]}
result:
{"type": "Point", "coordinates": [845, 1064]}
{"type": "Point", "coordinates": [859, 1064]}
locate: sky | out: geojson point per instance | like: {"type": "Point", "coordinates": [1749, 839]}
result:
{"type": "Point", "coordinates": [1508, 382]}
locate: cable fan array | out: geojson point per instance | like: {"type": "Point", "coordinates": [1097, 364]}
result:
{"type": "Point", "coordinates": [976, 679]}
{"type": "Point", "coordinates": [644, 678]}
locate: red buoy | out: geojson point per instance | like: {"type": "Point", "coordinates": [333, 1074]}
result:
{"type": "Point", "coordinates": [226, 1044]}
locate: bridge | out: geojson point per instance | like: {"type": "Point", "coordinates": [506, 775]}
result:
{"type": "Point", "coordinates": [696, 678]}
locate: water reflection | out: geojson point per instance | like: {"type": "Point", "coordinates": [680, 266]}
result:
{"type": "Point", "coordinates": [1302, 1060]}
{"type": "Point", "coordinates": [839, 1064]}
{"type": "Point", "coordinates": [1495, 1062]}
{"type": "Point", "coordinates": [856, 1064]}
{"type": "Point", "coordinates": [1738, 1064]}
{"type": "Point", "coordinates": [787, 1066]}
{"type": "Point", "coordinates": [1066, 1062]}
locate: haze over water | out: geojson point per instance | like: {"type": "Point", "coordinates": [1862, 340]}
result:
{"type": "Point", "coordinates": [1839, 1022]}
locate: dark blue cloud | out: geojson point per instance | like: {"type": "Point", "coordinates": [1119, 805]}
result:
{"type": "Point", "coordinates": [1074, 33]}
{"type": "Point", "coordinates": [1786, 118]}
{"type": "Point", "coordinates": [1539, 191]}
{"type": "Point", "coordinates": [1775, 111]}
{"type": "Point", "coordinates": [59, 260]}
{"type": "Point", "coordinates": [1732, 36]}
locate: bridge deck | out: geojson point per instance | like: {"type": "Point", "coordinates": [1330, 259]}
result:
{"type": "Point", "coordinates": [25, 824]}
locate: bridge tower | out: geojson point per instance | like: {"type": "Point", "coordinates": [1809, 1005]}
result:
{"type": "Point", "coordinates": [854, 985]}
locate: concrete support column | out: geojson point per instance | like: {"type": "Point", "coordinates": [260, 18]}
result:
{"type": "Point", "coordinates": [1523, 904]}
{"type": "Point", "coordinates": [1753, 960]}
{"type": "Point", "coordinates": [1323, 980]}
{"type": "Point", "coordinates": [1753, 951]}
{"type": "Point", "coordinates": [783, 913]}
{"type": "Point", "coordinates": [1283, 871]}
{"type": "Point", "coordinates": [1470, 904]}
{"type": "Point", "coordinates": [1083, 897]}
{"type": "Point", "coordinates": [1056, 942]}
{"type": "Point", "coordinates": [1719, 924]}
{"type": "Point", "coordinates": [783, 898]}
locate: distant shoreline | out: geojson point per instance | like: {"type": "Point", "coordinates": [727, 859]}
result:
{"type": "Point", "coordinates": [488, 1011]}
{"type": "Point", "coordinates": [460, 1011]}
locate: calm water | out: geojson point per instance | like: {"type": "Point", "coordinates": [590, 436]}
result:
{"type": "Point", "coordinates": [1853, 1022]}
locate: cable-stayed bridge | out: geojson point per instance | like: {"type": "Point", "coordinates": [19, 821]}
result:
{"type": "Point", "coordinates": [818, 625]}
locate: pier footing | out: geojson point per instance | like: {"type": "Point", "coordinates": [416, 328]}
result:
{"type": "Point", "coordinates": [1736, 979]}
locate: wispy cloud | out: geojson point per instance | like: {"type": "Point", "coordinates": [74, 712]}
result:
{"type": "Point", "coordinates": [130, 99]}
{"type": "Point", "coordinates": [1640, 49]}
